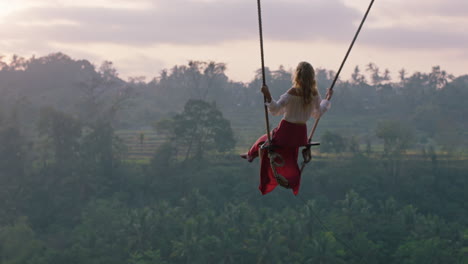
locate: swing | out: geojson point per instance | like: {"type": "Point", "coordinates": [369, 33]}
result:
{"type": "Point", "coordinates": [306, 151]}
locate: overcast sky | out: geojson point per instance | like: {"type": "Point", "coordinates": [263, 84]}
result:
{"type": "Point", "coordinates": [142, 37]}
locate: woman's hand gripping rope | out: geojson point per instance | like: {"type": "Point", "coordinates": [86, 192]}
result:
{"type": "Point", "coordinates": [266, 93]}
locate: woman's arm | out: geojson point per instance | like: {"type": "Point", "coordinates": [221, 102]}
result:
{"type": "Point", "coordinates": [321, 106]}
{"type": "Point", "coordinates": [278, 107]}
{"type": "Point", "coordinates": [275, 107]}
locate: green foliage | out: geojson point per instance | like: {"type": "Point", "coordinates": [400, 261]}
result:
{"type": "Point", "coordinates": [332, 142]}
{"type": "Point", "coordinates": [208, 222]}
{"type": "Point", "coordinates": [199, 128]}
{"type": "Point", "coordinates": [397, 136]}
{"type": "Point", "coordinates": [197, 80]}
{"type": "Point", "coordinates": [71, 196]}
{"type": "Point", "coordinates": [427, 117]}
{"type": "Point", "coordinates": [102, 235]}
{"type": "Point", "coordinates": [432, 250]}
{"type": "Point", "coordinates": [147, 257]}
{"type": "Point", "coordinates": [62, 134]}
{"type": "Point", "coordinates": [19, 244]}
{"type": "Point", "coordinates": [13, 165]}
{"type": "Point", "coordinates": [164, 157]}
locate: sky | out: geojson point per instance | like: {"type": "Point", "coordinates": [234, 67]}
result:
{"type": "Point", "coordinates": [143, 37]}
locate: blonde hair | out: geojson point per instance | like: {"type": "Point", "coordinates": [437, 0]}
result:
{"type": "Point", "coordinates": [304, 79]}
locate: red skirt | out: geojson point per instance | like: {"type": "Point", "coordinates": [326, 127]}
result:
{"type": "Point", "coordinates": [288, 137]}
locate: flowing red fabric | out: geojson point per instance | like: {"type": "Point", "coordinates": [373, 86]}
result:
{"type": "Point", "coordinates": [288, 137]}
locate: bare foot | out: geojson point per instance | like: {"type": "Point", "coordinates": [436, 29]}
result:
{"type": "Point", "coordinates": [247, 157]}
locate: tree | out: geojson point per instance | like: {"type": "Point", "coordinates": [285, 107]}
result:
{"type": "Point", "coordinates": [18, 63]}
{"type": "Point", "coordinates": [402, 75]}
{"type": "Point", "coordinates": [324, 78]}
{"type": "Point", "coordinates": [439, 78]}
{"type": "Point", "coordinates": [164, 157]}
{"type": "Point", "coordinates": [214, 81]}
{"type": "Point", "coordinates": [18, 244]}
{"type": "Point", "coordinates": [397, 137]}
{"type": "Point", "coordinates": [375, 73]}
{"type": "Point", "coordinates": [448, 136]}
{"type": "Point", "coordinates": [358, 78]}
{"type": "Point", "coordinates": [102, 235]}
{"type": "Point", "coordinates": [354, 145]}
{"type": "Point", "coordinates": [13, 164]}
{"type": "Point", "coordinates": [368, 141]}
{"type": "Point", "coordinates": [322, 248]}
{"type": "Point", "coordinates": [102, 152]}
{"type": "Point", "coordinates": [332, 142]}
{"type": "Point", "coordinates": [199, 128]}
{"type": "Point", "coordinates": [426, 118]}
{"type": "Point", "coordinates": [147, 257]}
{"type": "Point", "coordinates": [3, 65]}
{"type": "Point", "coordinates": [280, 80]}
{"type": "Point", "coordinates": [355, 212]}
{"type": "Point", "coordinates": [80, 161]}
{"type": "Point", "coordinates": [103, 94]}
{"type": "Point", "coordinates": [61, 132]}
{"type": "Point", "coordinates": [198, 81]}
{"type": "Point", "coordinates": [452, 101]}
{"type": "Point", "coordinates": [430, 250]}
{"type": "Point", "coordinates": [204, 77]}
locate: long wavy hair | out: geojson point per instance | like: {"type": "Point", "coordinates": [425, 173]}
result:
{"type": "Point", "coordinates": [304, 79]}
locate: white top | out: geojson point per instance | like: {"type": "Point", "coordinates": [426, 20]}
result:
{"type": "Point", "coordinates": [292, 107]}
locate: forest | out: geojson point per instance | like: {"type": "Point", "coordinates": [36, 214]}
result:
{"type": "Point", "coordinates": [97, 169]}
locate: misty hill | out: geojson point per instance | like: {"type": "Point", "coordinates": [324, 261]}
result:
{"type": "Point", "coordinates": [389, 178]}
{"type": "Point", "coordinates": [432, 103]}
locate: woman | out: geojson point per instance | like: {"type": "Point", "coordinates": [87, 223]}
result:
{"type": "Point", "coordinates": [297, 105]}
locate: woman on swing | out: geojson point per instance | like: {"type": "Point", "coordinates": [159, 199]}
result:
{"type": "Point", "coordinates": [297, 105]}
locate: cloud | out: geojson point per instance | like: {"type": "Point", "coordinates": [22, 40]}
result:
{"type": "Point", "coordinates": [408, 38]}
{"type": "Point", "coordinates": [179, 21]}
{"type": "Point", "coordinates": [194, 28]}
{"type": "Point", "coordinates": [452, 8]}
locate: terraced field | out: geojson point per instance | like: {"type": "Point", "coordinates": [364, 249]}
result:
{"type": "Point", "coordinates": [248, 124]}
{"type": "Point", "coordinates": [141, 144]}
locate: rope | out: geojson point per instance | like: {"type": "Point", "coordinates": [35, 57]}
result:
{"type": "Point", "coordinates": [273, 156]}
{"type": "Point", "coordinates": [276, 160]}
{"type": "Point", "coordinates": [337, 75]}
{"type": "Point", "coordinates": [352, 44]}
{"type": "Point", "coordinates": [260, 28]}
{"type": "Point", "coordinates": [282, 181]}
{"type": "Point", "coordinates": [326, 229]}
